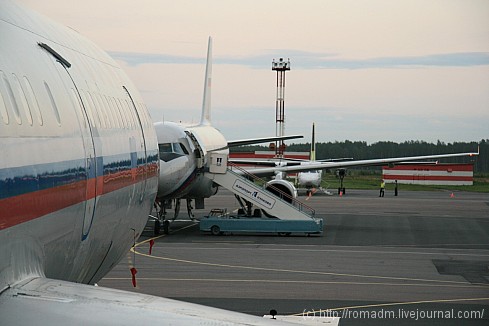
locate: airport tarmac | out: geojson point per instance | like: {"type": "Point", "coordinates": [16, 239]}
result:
{"type": "Point", "coordinates": [419, 258]}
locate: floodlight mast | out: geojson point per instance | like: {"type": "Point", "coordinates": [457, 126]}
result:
{"type": "Point", "coordinates": [280, 67]}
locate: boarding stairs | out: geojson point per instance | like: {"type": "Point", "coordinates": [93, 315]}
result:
{"type": "Point", "coordinates": [239, 181]}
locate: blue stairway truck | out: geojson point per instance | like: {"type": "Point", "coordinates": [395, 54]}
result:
{"type": "Point", "coordinates": [220, 224]}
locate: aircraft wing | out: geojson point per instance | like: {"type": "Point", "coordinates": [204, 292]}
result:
{"type": "Point", "coordinates": [251, 141]}
{"type": "Point", "coordinates": [266, 162]}
{"type": "Point", "coordinates": [269, 171]}
{"type": "Point", "coordinates": [51, 302]}
{"type": "Point", "coordinates": [283, 161]}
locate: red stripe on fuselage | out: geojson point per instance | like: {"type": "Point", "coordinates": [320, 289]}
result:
{"type": "Point", "coordinates": [27, 207]}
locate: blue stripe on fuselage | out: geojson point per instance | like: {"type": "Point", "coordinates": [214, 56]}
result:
{"type": "Point", "coordinates": [16, 181]}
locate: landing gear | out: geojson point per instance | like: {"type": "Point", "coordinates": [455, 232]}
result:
{"type": "Point", "coordinates": [189, 209]}
{"type": "Point", "coordinates": [160, 219]}
{"type": "Point", "coordinates": [166, 227]}
{"type": "Point", "coordinates": [157, 227]}
{"type": "Point", "coordinates": [341, 174]}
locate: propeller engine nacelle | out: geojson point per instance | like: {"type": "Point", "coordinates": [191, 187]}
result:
{"type": "Point", "coordinates": [283, 189]}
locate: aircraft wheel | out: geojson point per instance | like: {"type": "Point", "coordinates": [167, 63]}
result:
{"type": "Point", "coordinates": [166, 227]}
{"type": "Point", "coordinates": [157, 227]}
{"type": "Point", "coordinates": [215, 230]}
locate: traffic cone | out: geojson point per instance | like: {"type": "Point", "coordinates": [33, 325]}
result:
{"type": "Point", "coordinates": [452, 195]}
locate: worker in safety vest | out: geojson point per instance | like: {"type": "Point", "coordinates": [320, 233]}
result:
{"type": "Point", "coordinates": [382, 188]}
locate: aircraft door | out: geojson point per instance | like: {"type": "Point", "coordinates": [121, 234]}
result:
{"type": "Point", "coordinates": [87, 130]}
{"type": "Point", "coordinates": [90, 164]}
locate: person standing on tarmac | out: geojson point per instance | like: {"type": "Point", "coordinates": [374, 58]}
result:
{"type": "Point", "coordinates": [382, 188]}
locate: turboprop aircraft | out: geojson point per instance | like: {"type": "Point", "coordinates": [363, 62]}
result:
{"type": "Point", "coordinates": [311, 180]}
{"type": "Point", "coordinates": [184, 156]}
{"type": "Point", "coordinates": [78, 177]}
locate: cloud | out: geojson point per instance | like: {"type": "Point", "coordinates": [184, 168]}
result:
{"type": "Point", "coordinates": [310, 60]}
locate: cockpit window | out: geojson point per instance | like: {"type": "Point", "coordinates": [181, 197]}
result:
{"type": "Point", "coordinates": [182, 146]}
{"type": "Point", "coordinates": [165, 148]}
{"type": "Point", "coordinates": [170, 151]}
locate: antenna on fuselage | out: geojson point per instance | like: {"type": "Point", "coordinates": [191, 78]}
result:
{"type": "Point", "coordinates": [206, 104]}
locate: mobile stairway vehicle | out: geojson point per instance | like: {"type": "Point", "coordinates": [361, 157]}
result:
{"type": "Point", "coordinates": [274, 212]}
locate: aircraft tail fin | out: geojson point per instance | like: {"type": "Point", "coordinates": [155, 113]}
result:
{"type": "Point", "coordinates": [206, 104]}
{"type": "Point", "coordinates": [312, 154]}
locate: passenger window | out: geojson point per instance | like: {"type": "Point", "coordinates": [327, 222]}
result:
{"type": "Point", "coordinates": [102, 111]}
{"type": "Point", "coordinates": [3, 109]}
{"type": "Point", "coordinates": [23, 99]}
{"type": "Point", "coordinates": [119, 109]}
{"type": "Point", "coordinates": [11, 97]}
{"type": "Point", "coordinates": [123, 109]}
{"type": "Point", "coordinates": [113, 110]}
{"type": "Point", "coordinates": [87, 107]}
{"type": "Point", "coordinates": [33, 100]}
{"type": "Point", "coordinates": [96, 116]}
{"type": "Point", "coordinates": [120, 112]}
{"type": "Point", "coordinates": [130, 111]}
{"type": "Point", "coordinates": [53, 104]}
{"type": "Point", "coordinates": [76, 102]}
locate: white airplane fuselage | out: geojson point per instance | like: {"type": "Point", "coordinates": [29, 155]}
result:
{"type": "Point", "coordinates": [79, 155]}
{"type": "Point", "coordinates": [309, 179]}
{"type": "Point", "coordinates": [183, 158]}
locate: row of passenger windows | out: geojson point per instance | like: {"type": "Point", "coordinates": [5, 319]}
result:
{"type": "Point", "coordinates": [103, 111]}
{"type": "Point", "coordinates": [109, 112]}
{"type": "Point", "coordinates": [18, 96]}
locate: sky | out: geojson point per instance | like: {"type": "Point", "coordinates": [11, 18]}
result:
{"type": "Point", "coordinates": [361, 70]}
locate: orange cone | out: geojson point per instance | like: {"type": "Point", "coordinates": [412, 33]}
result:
{"type": "Point", "coordinates": [452, 195]}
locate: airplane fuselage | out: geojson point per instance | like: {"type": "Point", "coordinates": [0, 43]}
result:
{"type": "Point", "coordinates": [310, 179]}
{"type": "Point", "coordinates": [184, 154]}
{"type": "Point", "coordinates": [79, 156]}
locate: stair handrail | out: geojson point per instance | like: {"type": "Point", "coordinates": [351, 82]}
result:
{"type": "Point", "coordinates": [281, 194]}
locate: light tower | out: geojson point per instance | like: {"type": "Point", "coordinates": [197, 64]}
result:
{"type": "Point", "coordinates": [280, 67]}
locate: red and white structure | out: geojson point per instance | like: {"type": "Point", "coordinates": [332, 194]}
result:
{"type": "Point", "coordinates": [280, 66]}
{"type": "Point", "coordinates": [430, 174]}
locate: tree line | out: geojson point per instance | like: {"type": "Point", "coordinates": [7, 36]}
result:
{"type": "Point", "coordinates": [360, 150]}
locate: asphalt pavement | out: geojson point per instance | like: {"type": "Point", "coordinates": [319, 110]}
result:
{"type": "Point", "coordinates": [419, 258]}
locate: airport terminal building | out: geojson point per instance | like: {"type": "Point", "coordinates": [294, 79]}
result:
{"type": "Point", "coordinates": [430, 174]}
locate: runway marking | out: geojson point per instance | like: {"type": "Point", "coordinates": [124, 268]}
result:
{"type": "Point", "coordinates": [133, 249]}
{"type": "Point", "coordinates": [393, 304]}
{"type": "Point", "coordinates": [330, 250]}
{"type": "Point", "coordinates": [302, 272]}
{"type": "Point", "coordinates": [226, 242]}
{"type": "Point", "coordinates": [160, 236]}
{"type": "Point", "coordinates": [291, 282]}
